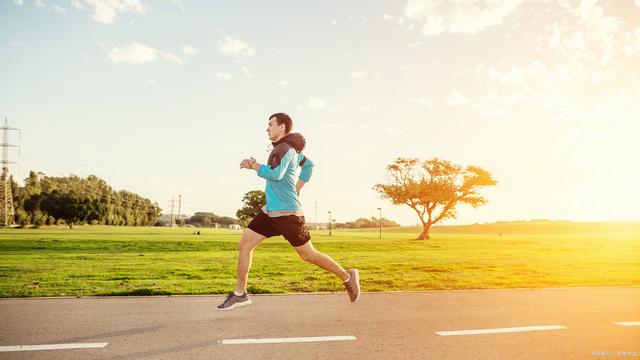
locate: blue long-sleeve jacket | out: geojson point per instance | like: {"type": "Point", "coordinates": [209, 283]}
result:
{"type": "Point", "coordinates": [280, 171]}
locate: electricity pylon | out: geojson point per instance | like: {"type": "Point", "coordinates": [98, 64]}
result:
{"type": "Point", "coordinates": [6, 198]}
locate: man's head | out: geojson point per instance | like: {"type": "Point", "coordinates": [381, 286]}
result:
{"type": "Point", "coordinates": [280, 124]}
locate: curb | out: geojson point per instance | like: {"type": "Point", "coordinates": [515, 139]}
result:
{"type": "Point", "coordinates": [313, 293]}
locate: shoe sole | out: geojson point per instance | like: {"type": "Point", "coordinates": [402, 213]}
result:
{"type": "Point", "coordinates": [244, 303]}
{"type": "Point", "coordinates": [357, 274]}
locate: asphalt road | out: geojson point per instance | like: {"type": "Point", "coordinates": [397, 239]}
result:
{"type": "Point", "coordinates": [558, 323]}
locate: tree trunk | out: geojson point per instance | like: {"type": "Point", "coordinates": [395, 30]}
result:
{"type": "Point", "coordinates": [424, 235]}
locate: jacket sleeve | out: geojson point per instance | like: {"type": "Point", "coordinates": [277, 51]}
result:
{"type": "Point", "coordinates": [306, 168]}
{"type": "Point", "coordinates": [277, 173]}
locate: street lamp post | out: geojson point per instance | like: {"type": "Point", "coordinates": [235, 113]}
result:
{"type": "Point", "coordinates": [329, 223]}
{"type": "Point", "coordinates": [380, 237]}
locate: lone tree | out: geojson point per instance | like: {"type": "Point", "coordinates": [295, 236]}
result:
{"type": "Point", "coordinates": [434, 188]}
{"type": "Point", "coordinates": [253, 202]}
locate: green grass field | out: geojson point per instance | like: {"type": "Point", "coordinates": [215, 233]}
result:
{"type": "Point", "coordinates": [55, 261]}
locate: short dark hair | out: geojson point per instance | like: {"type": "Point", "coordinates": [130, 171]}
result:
{"type": "Point", "coordinates": [282, 118]}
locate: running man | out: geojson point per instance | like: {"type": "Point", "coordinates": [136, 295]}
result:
{"type": "Point", "coordinates": [282, 215]}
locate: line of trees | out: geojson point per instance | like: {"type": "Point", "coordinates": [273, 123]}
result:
{"type": "Point", "coordinates": [254, 200]}
{"type": "Point", "coordinates": [207, 219]}
{"type": "Point", "coordinates": [362, 223]}
{"type": "Point", "coordinates": [70, 200]}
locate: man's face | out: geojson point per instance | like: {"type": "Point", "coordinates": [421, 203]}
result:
{"type": "Point", "coordinates": [274, 130]}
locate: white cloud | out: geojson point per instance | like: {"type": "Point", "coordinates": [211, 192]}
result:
{"type": "Point", "coordinates": [189, 50]}
{"type": "Point", "coordinates": [247, 72]}
{"type": "Point", "coordinates": [369, 109]}
{"type": "Point", "coordinates": [471, 16]}
{"type": "Point", "coordinates": [18, 2]}
{"type": "Point", "coordinates": [223, 76]}
{"type": "Point", "coordinates": [58, 8]}
{"type": "Point", "coordinates": [424, 101]}
{"type": "Point", "coordinates": [391, 129]}
{"type": "Point", "coordinates": [106, 11]}
{"type": "Point", "coordinates": [631, 45]}
{"type": "Point", "coordinates": [315, 103]}
{"type": "Point", "coordinates": [178, 3]}
{"type": "Point", "coordinates": [359, 74]}
{"type": "Point", "coordinates": [335, 22]}
{"type": "Point", "coordinates": [588, 53]}
{"type": "Point", "coordinates": [330, 126]}
{"type": "Point", "coordinates": [409, 68]}
{"type": "Point", "coordinates": [39, 3]}
{"type": "Point", "coordinates": [77, 5]}
{"type": "Point", "coordinates": [151, 82]}
{"type": "Point", "coordinates": [487, 105]}
{"type": "Point", "coordinates": [415, 44]}
{"type": "Point", "coordinates": [136, 53]}
{"type": "Point", "coordinates": [365, 127]}
{"type": "Point", "coordinates": [282, 83]}
{"type": "Point", "coordinates": [231, 46]}
{"type": "Point", "coordinates": [398, 18]}
{"type": "Point", "coordinates": [456, 99]}
{"type": "Point", "coordinates": [172, 58]}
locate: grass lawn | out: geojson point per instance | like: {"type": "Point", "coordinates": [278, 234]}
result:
{"type": "Point", "coordinates": [100, 260]}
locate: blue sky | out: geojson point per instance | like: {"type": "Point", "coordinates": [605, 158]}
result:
{"type": "Point", "coordinates": [167, 97]}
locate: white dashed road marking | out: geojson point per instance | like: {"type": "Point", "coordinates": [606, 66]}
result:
{"type": "Point", "coordinates": [287, 340]}
{"type": "Point", "coordinates": [52, 347]}
{"type": "Point", "coordinates": [500, 330]}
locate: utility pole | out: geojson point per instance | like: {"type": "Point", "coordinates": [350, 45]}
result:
{"type": "Point", "coordinates": [329, 223]}
{"type": "Point", "coordinates": [6, 198]}
{"type": "Point", "coordinates": [179, 208]}
{"type": "Point", "coordinates": [380, 237]}
{"type": "Point", "coordinates": [172, 220]}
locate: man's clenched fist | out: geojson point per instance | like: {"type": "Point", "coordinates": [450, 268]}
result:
{"type": "Point", "coordinates": [247, 163]}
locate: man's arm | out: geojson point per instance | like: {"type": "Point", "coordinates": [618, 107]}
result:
{"type": "Point", "coordinates": [306, 169]}
{"type": "Point", "coordinates": [277, 173]}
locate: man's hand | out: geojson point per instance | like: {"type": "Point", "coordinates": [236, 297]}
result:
{"type": "Point", "coordinates": [245, 164]}
{"type": "Point", "coordinates": [250, 163]}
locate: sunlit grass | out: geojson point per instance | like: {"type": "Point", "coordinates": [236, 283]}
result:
{"type": "Point", "coordinates": [130, 260]}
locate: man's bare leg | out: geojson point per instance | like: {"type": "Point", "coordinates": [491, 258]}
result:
{"type": "Point", "coordinates": [308, 253]}
{"type": "Point", "coordinates": [249, 241]}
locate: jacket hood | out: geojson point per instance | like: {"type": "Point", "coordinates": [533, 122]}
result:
{"type": "Point", "coordinates": [296, 140]}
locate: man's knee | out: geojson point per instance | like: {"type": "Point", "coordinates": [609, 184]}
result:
{"type": "Point", "coordinates": [249, 240]}
{"type": "Point", "coordinates": [244, 246]}
{"type": "Point", "coordinates": [308, 255]}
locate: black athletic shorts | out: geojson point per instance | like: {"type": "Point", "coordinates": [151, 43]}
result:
{"type": "Point", "coordinates": [291, 227]}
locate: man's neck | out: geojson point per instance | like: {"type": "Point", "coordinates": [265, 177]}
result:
{"type": "Point", "coordinates": [280, 138]}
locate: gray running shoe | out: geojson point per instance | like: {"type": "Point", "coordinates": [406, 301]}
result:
{"type": "Point", "coordinates": [353, 286]}
{"type": "Point", "coordinates": [234, 301]}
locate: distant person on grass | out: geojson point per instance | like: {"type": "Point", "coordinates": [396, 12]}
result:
{"type": "Point", "coordinates": [282, 215]}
